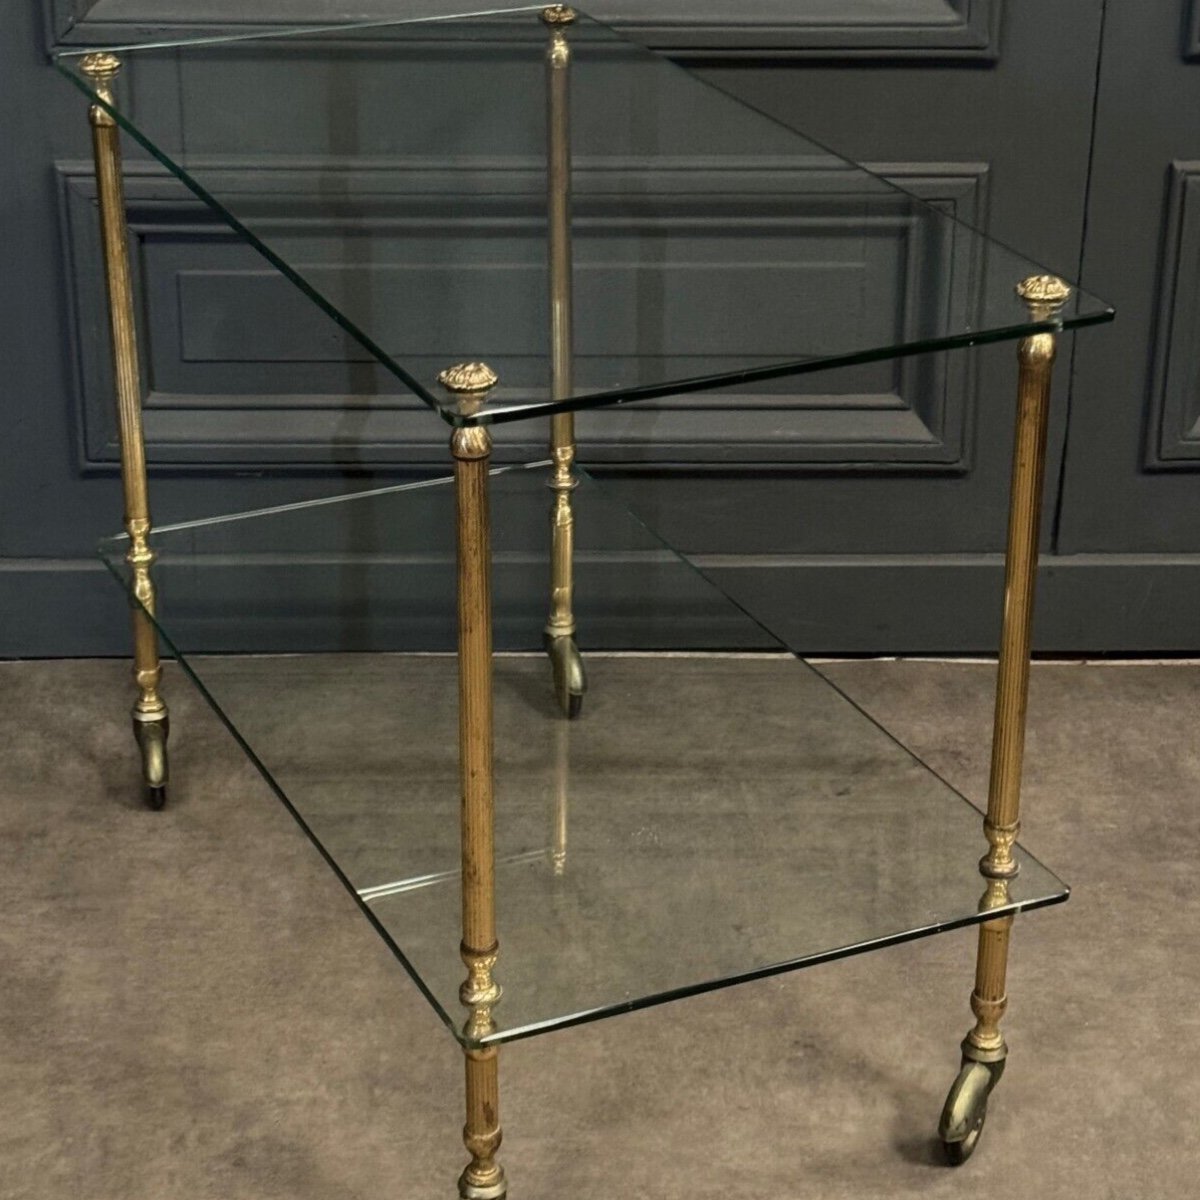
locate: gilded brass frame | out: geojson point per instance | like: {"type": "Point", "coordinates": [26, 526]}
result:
{"type": "Point", "coordinates": [570, 682]}
{"type": "Point", "coordinates": [483, 1178]}
{"type": "Point", "coordinates": [984, 1050]}
{"type": "Point", "coordinates": [150, 718]}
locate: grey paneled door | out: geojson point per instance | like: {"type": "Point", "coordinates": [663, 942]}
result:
{"type": "Point", "coordinates": [866, 510]}
{"type": "Point", "coordinates": [1130, 514]}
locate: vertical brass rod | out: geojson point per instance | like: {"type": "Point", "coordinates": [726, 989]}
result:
{"type": "Point", "coordinates": [471, 448]}
{"type": "Point", "coordinates": [150, 711]}
{"type": "Point", "coordinates": [1044, 296]}
{"type": "Point", "coordinates": [483, 1177]}
{"type": "Point", "coordinates": [561, 621]}
{"type": "Point", "coordinates": [558, 187]}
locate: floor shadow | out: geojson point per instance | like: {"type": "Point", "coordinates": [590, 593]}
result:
{"type": "Point", "coordinates": [531, 684]}
{"type": "Point", "coordinates": [923, 1150]}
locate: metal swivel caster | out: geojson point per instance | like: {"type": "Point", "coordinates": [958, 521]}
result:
{"type": "Point", "coordinates": [570, 681]}
{"type": "Point", "coordinates": [966, 1109]}
{"type": "Point", "coordinates": [151, 738]}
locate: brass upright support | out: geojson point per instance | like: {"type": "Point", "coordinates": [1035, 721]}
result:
{"type": "Point", "coordinates": [984, 1049]}
{"type": "Point", "coordinates": [569, 679]}
{"type": "Point", "coordinates": [483, 1178]}
{"type": "Point", "coordinates": [149, 710]}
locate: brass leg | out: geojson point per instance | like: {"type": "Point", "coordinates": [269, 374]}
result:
{"type": "Point", "coordinates": [984, 1049]}
{"type": "Point", "coordinates": [150, 722]}
{"type": "Point", "coordinates": [570, 683]}
{"type": "Point", "coordinates": [483, 1178]}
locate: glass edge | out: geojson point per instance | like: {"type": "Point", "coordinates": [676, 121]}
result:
{"type": "Point", "coordinates": [703, 383]}
{"type": "Point", "coordinates": [272, 33]}
{"type": "Point", "coordinates": [184, 661]}
{"type": "Point", "coordinates": [318, 502]}
{"type": "Point", "coordinates": [522, 1033]}
{"type": "Point", "coordinates": [284, 268]}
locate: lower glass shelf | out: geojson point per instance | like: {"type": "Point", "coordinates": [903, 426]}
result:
{"type": "Point", "coordinates": [711, 818]}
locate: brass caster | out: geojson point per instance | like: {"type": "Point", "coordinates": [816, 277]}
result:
{"type": "Point", "coordinates": [966, 1109]}
{"type": "Point", "coordinates": [570, 681]}
{"type": "Point", "coordinates": [151, 738]}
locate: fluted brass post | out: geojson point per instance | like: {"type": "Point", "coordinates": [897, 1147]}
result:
{"type": "Point", "coordinates": [1044, 295]}
{"type": "Point", "coordinates": [984, 1049]}
{"type": "Point", "coordinates": [560, 626]}
{"type": "Point", "coordinates": [483, 1178]}
{"type": "Point", "coordinates": [149, 710]}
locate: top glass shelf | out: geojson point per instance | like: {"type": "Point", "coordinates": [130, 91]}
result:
{"type": "Point", "coordinates": [397, 175]}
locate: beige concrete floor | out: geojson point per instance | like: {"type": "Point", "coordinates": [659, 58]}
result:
{"type": "Point", "coordinates": [190, 1005]}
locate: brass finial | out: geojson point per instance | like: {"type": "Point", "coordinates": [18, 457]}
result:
{"type": "Point", "coordinates": [468, 377]}
{"type": "Point", "coordinates": [1045, 294]}
{"type": "Point", "coordinates": [559, 14]}
{"type": "Point", "coordinates": [100, 66]}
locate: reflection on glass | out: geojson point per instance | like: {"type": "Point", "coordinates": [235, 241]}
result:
{"type": "Point", "coordinates": [561, 797]}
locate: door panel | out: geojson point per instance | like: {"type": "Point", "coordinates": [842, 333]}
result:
{"type": "Point", "coordinates": [1132, 481]}
{"type": "Point", "coordinates": [865, 558]}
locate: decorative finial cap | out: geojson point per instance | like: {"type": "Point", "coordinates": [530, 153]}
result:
{"type": "Point", "coordinates": [100, 66]}
{"type": "Point", "coordinates": [1046, 292]}
{"type": "Point", "coordinates": [559, 14]}
{"type": "Point", "coordinates": [468, 377]}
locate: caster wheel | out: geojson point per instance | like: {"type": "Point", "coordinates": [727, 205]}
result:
{"type": "Point", "coordinates": [958, 1152]}
{"type": "Point", "coordinates": [966, 1109]}
{"type": "Point", "coordinates": [570, 681]}
{"type": "Point", "coordinates": [152, 742]}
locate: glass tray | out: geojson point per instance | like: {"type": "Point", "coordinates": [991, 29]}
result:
{"type": "Point", "coordinates": [713, 817]}
{"type": "Point", "coordinates": [396, 175]}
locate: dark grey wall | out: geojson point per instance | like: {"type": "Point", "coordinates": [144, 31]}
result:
{"type": "Point", "coordinates": [1025, 118]}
